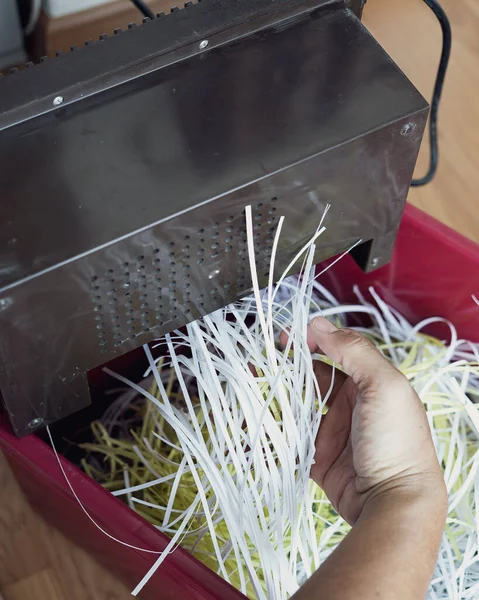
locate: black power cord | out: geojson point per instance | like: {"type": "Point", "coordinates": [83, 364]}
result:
{"type": "Point", "coordinates": [143, 8]}
{"type": "Point", "coordinates": [436, 97]}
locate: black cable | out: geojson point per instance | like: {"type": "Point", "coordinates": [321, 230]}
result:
{"type": "Point", "coordinates": [143, 8]}
{"type": "Point", "coordinates": [436, 97]}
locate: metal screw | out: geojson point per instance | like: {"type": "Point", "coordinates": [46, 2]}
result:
{"type": "Point", "coordinates": [203, 44]}
{"type": "Point", "coordinates": [375, 262]}
{"type": "Point", "coordinates": [407, 129]}
{"type": "Point", "coordinates": [35, 423]}
{"type": "Point", "coordinates": [57, 101]}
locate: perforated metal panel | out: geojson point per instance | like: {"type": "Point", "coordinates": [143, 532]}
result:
{"type": "Point", "coordinates": [163, 285]}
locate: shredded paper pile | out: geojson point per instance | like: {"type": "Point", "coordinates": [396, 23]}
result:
{"type": "Point", "coordinates": [215, 446]}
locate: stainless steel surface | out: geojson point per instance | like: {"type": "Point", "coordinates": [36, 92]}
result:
{"type": "Point", "coordinates": [130, 54]}
{"type": "Point", "coordinates": [129, 220]}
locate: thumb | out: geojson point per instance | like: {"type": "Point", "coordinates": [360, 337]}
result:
{"type": "Point", "coordinates": [357, 356]}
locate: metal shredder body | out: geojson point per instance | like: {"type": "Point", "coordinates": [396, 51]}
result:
{"type": "Point", "coordinates": [127, 165]}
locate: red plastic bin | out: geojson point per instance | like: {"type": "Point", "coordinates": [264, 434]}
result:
{"type": "Point", "coordinates": [434, 272]}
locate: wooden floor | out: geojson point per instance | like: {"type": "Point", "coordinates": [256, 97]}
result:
{"type": "Point", "coordinates": [36, 562]}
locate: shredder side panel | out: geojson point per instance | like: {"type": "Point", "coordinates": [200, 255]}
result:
{"type": "Point", "coordinates": [58, 326]}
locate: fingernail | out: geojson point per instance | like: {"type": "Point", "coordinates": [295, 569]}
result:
{"type": "Point", "coordinates": [322, 325]}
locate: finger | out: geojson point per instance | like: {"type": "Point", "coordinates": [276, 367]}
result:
{"type": "Point", "coordinates": [358, 357]}
{"type": "Point", "coordinates": [283, 338]}
{"type": "Point", "coordinates": [332, 440]}
{"type": "Point", "coordinates": [252, 369]}
{"type": "Point", "coordinates": [312, 345]}
{"type": "Point", "coordinates": [324, 375]}
{"type": "Point", "coordinates": [323, 371]}
{"type": "Point", "coordinates": [312, 342]}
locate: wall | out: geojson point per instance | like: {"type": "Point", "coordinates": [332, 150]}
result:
{"type": "Point", "coordinates": [60, 8]}
{"type": "Point", "coordinates": [11, 40]}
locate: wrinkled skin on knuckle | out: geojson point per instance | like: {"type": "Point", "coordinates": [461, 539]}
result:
{"type": "Point", "coordinates": [354, 339]}
{"type": "Point", "coordinates": [357, 348]}
{"type": "Point", "coordinates": [387, 386]}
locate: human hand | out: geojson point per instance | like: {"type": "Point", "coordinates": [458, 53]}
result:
{"type": "Point", "coordinates": [375, 439]}
{"type": "Point", "coordinates": [376, 462]}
